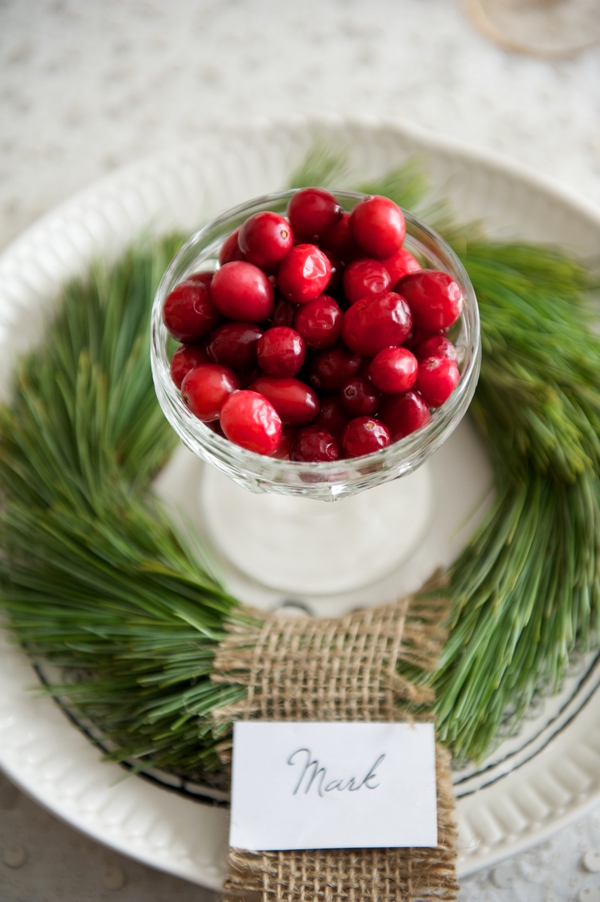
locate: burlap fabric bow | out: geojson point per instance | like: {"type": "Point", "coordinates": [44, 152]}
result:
{"type": "Point", "coordinates": [333, 670]}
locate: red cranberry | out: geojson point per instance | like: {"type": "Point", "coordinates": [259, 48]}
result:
{"type": "Point", "coordinates": [284, 313]}
{"type": "Point", "coordinates": [364, 277]}
{"type": "Point", "coordinates": [363, 435]}
{"type": "Point", "coordinates": [189, 312]}
{"type": "Point", "coordinates": [185, 359]}
{"type": "Point", "coordinates": [250, 421]}
{"type": "Point", "coordinates": [234, 345]}
{"type": "Point", "coordinates": [202, 278]}
{"type": "Point", "coordinates": [417, 336]}
{"type": "Point", "coordinates": [329, 369]}
{"type": "Point", "coordinates": [295, 402]}
{"type": "Point", "coordinates": [230, 249]}
{"type": "Point", "coordinates": [319, 322]}
{"type": "Point", "coordinates": [280, 352]}
{"type": "Point", "coordinates": [436, 346]}
{"type": "Point", "coordinates": [403, 414]}
{"type": "Point", "coordinates": [314, 443]}
{"type": "Point", "coordinates": [313, 211]}
{"type": "Point", "coordinates": [394, 370]}
{"type": "Point", "coordinates": [265, 239]}
{"type": "Point", "coordinates": [377, 225]}
{"type": "Point", "coordinates": [437, 379]}
{"type": "Point", "coordinates": [304, 273]}
{"type": "Point", "coordinates": [287, 437]}
{"type": "Point", "coordinates": [340, 241]}
{"type": "Point", "coordinates": [376, 322]}
{"type": "Point", "coordinates": [243, 292]}
{"type": "Point", "coordinates": [332, 416]}
{"type": "Point", "coordinates": [206, 388]}
{"type": "Point", "coordinates": [434, 297]}
{"type": "Point", "coordinates": [401, 264]}
{"type": "Point", "coordinates": [360, 397]}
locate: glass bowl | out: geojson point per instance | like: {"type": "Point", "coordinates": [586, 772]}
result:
{"type": "Point", "coordinates": [331, 480]}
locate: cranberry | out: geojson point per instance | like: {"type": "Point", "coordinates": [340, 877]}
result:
{"type": "Point", "coordinates": [364, 277]}
{"type": "Point", "coordinates": [304, 273]}
{"type": "Point", "coordinates": [287, 437]}
{"type": "Point", "coordinates": [250, 421]}
{"type": "Point", "coordinates": [185, 358]}
{"type": "Point", "coordinates": [401, 264]}
{"type": "Point", "coordinates": [234, 345]}
{"type": "Point", "coordinates": [417, 336]}
{"type": "Point", "coordinates": [360, 397]}
{"type": "Point", "coordinates": [333, 415]}
{"type": "Point", "coordinates": [243, 292]}
{"type": "Point", "coordinates": [434, 297]}
{"type": "Point", "coordinates": [377, 225]}
{"type": "Point", "coordinates": [203, 278]}
{"type": "Point", "coordinates": [280, 351]}
{"type": "Point", "coordinates": [363, 435]}
{"type": "Point", "coordinates": [394, 370]}
{"type": "Point", "coordinates": [340, 241]}
{"type": "Point", "coordinates": [376, 322]}
{"type": "Point", "coordinates": [230, 249]}
{"type": "Point", "coordinates": [403, 414]}
{"type": "Point", "coordinates": [265, 239]}
{"type": "Point", "coordinates": [314, 443]}
{"type": "Point", "coordinates": [295, 402]}
{"type": "Point", "coordinates": [284, 313]}
{"type": "Point", "coordinates": [437, 379]}
{"type": "Point", "coordinates": [319, 322]}
{"type": "Point", "coordinates": [313, 211]}
{"type": "Point", "coordinates": [206, 388]}
{"type": "Point", "coordinates": [329, 369]}
{"type": "Point", "coordinates": [189, 312]}
{"type": "Point", "coordinates": [436, 346]}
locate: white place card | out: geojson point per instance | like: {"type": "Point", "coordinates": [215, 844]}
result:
{"type": "Point", "coordinates": [332, 785]}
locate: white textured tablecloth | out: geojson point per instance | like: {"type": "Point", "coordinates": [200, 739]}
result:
{"type": "Point", "coordinates": [87, 86]}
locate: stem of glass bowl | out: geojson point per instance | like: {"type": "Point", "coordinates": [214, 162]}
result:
{"type": "Point", "coordinates": [301, 547]}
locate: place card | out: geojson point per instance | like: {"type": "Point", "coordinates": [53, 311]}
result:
{"type": "Point", "coordinates": [305, 785]}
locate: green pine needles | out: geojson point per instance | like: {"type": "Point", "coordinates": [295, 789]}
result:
{"type": "Point", "coordinates": [95, 579]}
{"type": "Point", "coordinates": [527, 589]}
{"type": "Point", "coordinates": [92, 574]}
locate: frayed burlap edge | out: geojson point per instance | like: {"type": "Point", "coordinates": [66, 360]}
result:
{"type": "Point", "coordinates": [342, 669]}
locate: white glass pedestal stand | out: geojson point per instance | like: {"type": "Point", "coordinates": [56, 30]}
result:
{"type": "Point", "coordinates": [302, 546]}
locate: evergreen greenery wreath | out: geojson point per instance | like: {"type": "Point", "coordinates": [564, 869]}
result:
{"type": "Point", "coordinates": [95, 579]}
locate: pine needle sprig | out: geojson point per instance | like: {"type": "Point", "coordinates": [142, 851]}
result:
{"type": "Point", "coordinates": [527, 590]}
{"type": "Point", "coordinates": [322, 166]}
{"type": "Point", "coordinates": [93, 576]}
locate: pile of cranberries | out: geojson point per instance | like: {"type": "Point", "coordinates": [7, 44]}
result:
{"type": "Point", "coordinates": [318, 337]}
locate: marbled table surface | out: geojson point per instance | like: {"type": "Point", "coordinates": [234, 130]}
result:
{"type": "Point", "coordinates": [86, 87]}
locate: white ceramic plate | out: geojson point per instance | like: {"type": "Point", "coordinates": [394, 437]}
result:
{"type": "Point", "coordinates": [536, 781]}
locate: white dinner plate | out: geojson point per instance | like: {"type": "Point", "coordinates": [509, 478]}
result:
{"type": "Point", "coordinates": [534, 782]}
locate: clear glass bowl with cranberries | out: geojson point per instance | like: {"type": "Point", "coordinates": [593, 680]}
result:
{"type": "Point", "coordinates": [315, 343]}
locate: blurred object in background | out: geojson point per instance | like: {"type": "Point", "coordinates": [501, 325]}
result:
{"type": "Point", "coordinates": [540, 27]}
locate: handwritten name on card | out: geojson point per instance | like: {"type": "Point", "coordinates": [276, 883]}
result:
{"type": "Point", "coordinates": [332, 786]}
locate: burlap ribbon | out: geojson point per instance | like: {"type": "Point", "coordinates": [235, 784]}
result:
{"type": "Point", "coordinates": [333, 670]}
